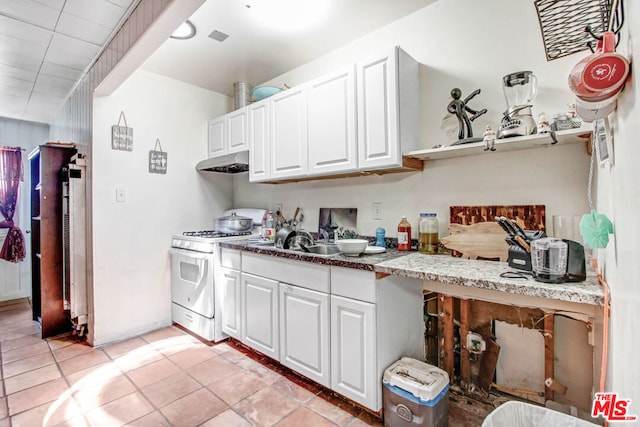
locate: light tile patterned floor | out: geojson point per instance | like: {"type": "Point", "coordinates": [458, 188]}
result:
{"type": "Point", "coordinates": [163, 378]}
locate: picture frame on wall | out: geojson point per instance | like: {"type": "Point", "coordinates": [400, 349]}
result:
{"type": "Point", "coordinates": [121, 136]}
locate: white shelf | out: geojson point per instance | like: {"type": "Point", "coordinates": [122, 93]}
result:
{"type": "Point", "coordinates": [570, 136]}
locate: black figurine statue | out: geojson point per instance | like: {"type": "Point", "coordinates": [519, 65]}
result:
{"type": "Point", "coordinates": [460, 108]}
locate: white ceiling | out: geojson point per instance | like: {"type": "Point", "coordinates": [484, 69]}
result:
{"type": "Point", "coordinates": [46, 46]}
{"type": "Point", "coordinates": [268, 37]}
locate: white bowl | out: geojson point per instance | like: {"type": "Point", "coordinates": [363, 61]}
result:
{"type": "Point", "coordinates": [352, 247]}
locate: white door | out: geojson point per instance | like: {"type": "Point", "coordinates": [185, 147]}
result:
{"type": "Point", "coordinates": [258, 141]}
{"type": "Point", "coordinates": [378, 139]}
{"type": "Point", "coordinates": [304, 332]}
{"type": "Point", "coordinates": [216, 137]}
{"type": "Point", "coordinates": [332, 124]}
{"type": "Point", "coordinates": [231, 300]}
{"type": "Point", "coordinates": [260, 314]}
{"type": "Point", "coordinates": [15, 278]}
{"type": "Point", "coordinates": [353, 351]}
{"type": "Point", "coordinates": [288, 134]}
{"type": "Point", "coordinates": [237, 128]}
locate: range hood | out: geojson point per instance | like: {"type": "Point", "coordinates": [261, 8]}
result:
{"type": "Point", "coordinates": [229, 163]}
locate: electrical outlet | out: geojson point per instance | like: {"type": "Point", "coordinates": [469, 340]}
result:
{"type": "Point", "coordinates": [121, 194]}
{"type": "Point", "coordinates": [376, 210]}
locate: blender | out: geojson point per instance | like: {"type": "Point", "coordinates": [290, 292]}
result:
{"type": "Point", "coordinates": [519, 90]}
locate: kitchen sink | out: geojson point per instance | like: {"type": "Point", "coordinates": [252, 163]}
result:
{"type": "Point", "coordinates": [320, 249]}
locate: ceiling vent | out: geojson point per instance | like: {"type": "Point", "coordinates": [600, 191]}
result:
{"type": "Point", "coordinates": [218, 35]}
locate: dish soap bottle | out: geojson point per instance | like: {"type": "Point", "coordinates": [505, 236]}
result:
{"type": "Point", "coordinates": [428, 234]}
{"type": "Point", "coordinates": [404, 234]}
{"type": "Point", "coordinates": [380, 237]}
{"type": "Point", "coordinates": [270, 230]}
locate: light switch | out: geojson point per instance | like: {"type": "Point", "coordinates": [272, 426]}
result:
{"type": "Point", "coordinates": [376, 210]}
{"type": "Point", "coordinates": [121, 194]}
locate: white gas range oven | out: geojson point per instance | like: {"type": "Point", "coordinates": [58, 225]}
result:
{"type": "Point", "coordinates": [195, 265]}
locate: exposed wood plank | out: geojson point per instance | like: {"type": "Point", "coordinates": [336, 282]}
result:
{"type": "Point", "coordinates": [548, 352]}
{"type": "Point", "coordinates": [465, 367]}
{"type": "Point", "coordinates": [381, 275]}
{"type": "Point", "coordinates": [488, 365]}
{"type": "Point", "coordinates": [445, 334]}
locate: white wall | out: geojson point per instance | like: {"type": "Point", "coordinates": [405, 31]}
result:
{"type": "Point", "coordinates": [131, 239]}
{"type": "Point", "coordinates": [618, 196]}
{"type": "Point", "coordinates": [466, 44]}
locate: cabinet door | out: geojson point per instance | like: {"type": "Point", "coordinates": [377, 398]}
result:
{"type": "Point", "coordinates": [304, 332]}
{"type": "Point", "coordinates": [259, 141]}
{"type": "Point", "coordinates": [353, 350]}
{"type": "Point", "coordinates": [231, 309]}
{"type": "Point", "coordinates": [378, 139]}
{"type": "Point", "coordinates": [332, 124]}
{"type": "Point", "coordinates": [288, 134]}
{"type": "Point", "coordinates": [237, 127]}
{"type": "Point", "coordinates": [260, 314]}
{"type": "Point", "coordinates": [216, 137]}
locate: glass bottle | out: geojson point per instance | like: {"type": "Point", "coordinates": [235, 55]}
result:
{"type": "Point", "coordinates": [404, 235]}
{"type": "Point", "coordinates": [428, 234]}
{"type": "Point", "coordinates": [270, 230]}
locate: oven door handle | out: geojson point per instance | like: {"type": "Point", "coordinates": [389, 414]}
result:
{"type": "Point", "coordinates": [199, 257]}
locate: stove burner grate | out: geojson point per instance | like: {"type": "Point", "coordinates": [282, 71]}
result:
{"type": "Point", "coordinates": [212, 234]}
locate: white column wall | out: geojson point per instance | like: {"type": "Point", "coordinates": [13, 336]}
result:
{"type": "Point", "coordinates": [132, 274]}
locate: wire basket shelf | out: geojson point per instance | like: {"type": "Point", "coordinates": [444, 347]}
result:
{"type": "Point", "coordinates": [564, 22]}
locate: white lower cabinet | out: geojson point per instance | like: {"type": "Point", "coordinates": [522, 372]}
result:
{"type": "Point", "coordinates": [337, 326]}
{"type": "Point", "coordinates": [374, 322]}
{"type": "Point", "coordinates": [230, 309]}
{"type": "Point", "coordinates": [260, 314]}
{"type": "Point", "coordinates": [304, 332]}
{"type": "Point", "coordinates": [353, 346]}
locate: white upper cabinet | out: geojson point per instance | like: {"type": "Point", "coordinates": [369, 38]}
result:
{"type": "Point", "coordinates": [331, 112]}
{"type": "Point", "coordinates": [228, 134]}
{"type": "Point", "coordinates": [216, 137]}
{"type": "Point", "coordinates": [237, 130]}
{"type": "Point", "coordinates": [388, 97]}
{"type": "Point", "coordinates": [288, 133]}
{"type": "Point", "coordinates": [259, 141]}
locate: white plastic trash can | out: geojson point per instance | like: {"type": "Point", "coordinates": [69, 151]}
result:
{"type": "Point", "coordinates": [415, 394]}
{"type": "Point", "coordinates": [520, 414]}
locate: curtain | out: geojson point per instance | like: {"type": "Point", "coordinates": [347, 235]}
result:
{"type": "Point", "coordinates": [13, 249]}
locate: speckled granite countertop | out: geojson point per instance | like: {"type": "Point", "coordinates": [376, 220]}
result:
{"type": "Point", "coordinates": [446, 269]}
{"type": "Point", "coordinates": [362, 262]}
{"type": "Point", "coordinates": [486, 275]}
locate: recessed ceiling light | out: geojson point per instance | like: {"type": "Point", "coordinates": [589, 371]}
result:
{"type": "Point", "coordinates": [185, 31]}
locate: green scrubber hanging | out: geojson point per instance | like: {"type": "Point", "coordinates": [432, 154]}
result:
{"type": "Point", "coordinates": [595, 228]}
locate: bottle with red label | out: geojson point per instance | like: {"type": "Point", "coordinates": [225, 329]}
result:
{"type": "Point", "coordinates": [404, 235]}
{"type": "Point", "coordinates": [270, 227]}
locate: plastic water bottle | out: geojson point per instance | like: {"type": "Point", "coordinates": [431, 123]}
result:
{"type": "Point", "coordinates": [269, 227]}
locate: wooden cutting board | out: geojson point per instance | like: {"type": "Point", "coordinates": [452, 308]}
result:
{"type": "Point", "coordinates": [487, 242]}
{"type": "Point", "coordinates": [481, 240]}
